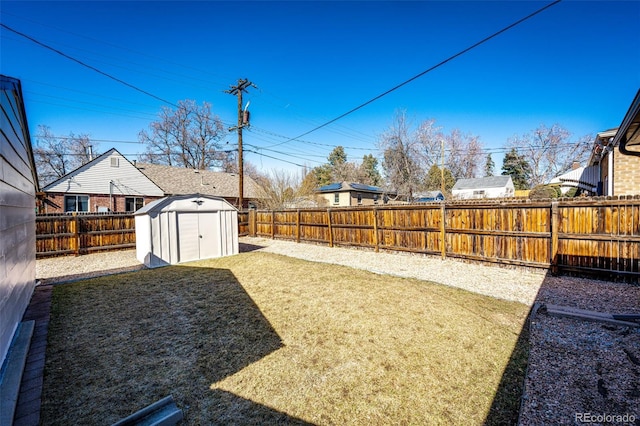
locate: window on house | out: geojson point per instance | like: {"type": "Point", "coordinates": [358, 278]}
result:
{"type": "Point", "coordinates": [115, 162]}
{"type": "Point", "coordinates": [375, 198]}
{"type": "Point", "coordinates": [76, 203]}
{"type": "Point", "coordinates": [131, 204]}
{"type": "Point", "coordinates": [359, 198]}
{"type": "Point", "coordinates": [336, 198]}
{"type": "Point", "coordinates": [479, 193]}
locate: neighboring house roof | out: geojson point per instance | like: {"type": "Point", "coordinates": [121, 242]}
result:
{"type": "Point", "coordinates": [109, 173]}
{"type": "Point", "coordinates": [482, 183]}
{"type": "Point", "coordinates": [178, 180]}
{"type": "Point", "coordinates": [583, 177]}
{"type": "Point", "coordinates": [428, 196]}
{"type": "Point", "coordinates": [350, 186]}
{"type": "Point", "coordinates": [602, 145]}
{"type": "Point", "coordinates": [629, 135]}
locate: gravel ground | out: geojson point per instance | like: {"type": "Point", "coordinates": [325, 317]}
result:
{"type": "Point", "coordinates": [579, 372]}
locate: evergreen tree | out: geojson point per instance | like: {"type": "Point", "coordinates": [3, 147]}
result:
{"type": "Point", "coordinates": [489, 167]}
{"type": "Point", "coordinates": [433, 180]}
{"type": "Point", "coordinates": [518, 168]}
{"type": "Point", "coordinates": [337, 157]}
{"type": "Point", "coordinates": [368, 171]}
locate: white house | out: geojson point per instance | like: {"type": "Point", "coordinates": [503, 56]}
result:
{"type": "Point", "coordinates": [18, 188]}
{"type": "Point", "coordinates": [109, 182]}
{"type": "Point", "coordinates": [485, 187]}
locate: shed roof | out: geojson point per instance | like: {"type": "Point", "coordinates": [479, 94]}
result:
{"type": "Point", "coordinates": [183, 203]}
{"type": "Point", "coordinates": [482, 183]}
{"type": "Point", "coordinates": [179, 180]}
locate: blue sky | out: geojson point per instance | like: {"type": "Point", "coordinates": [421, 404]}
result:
{"type": "Point", "coordinates": [575, 64]}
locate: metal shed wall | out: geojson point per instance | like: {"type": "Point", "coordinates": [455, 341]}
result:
{"type": "Point", "coordinates": [185, 228]}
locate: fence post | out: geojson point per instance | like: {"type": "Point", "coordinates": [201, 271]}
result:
{"type": "Point", "coordinates": [273, 224]}
{"type": "Point", "coordinates": [554, 237]}
{"type": "Point", "coordinates": [76, 232]}
{"type": "Point", "coordinates": [297, 225]}
{"type": "Point", "coordinates": [443, 244]}
{"type": "Point", "coordinates": [252, 222]}
{"type": "Point", "coordinates": [375, 229]}
{"type": "Point", "coordinates": [330, 229]}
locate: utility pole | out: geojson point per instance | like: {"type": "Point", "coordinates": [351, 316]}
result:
{"type": "Point", "coordinates": [442, 170]}
{"type": "Point", "coordinates": [243, 121]}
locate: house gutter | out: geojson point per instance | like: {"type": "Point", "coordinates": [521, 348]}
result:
{"type": "Point", "coordinates": [627, 133]}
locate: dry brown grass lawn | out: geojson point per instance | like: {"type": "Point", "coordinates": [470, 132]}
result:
{"type": "Point", "coordinates": [262, 338]}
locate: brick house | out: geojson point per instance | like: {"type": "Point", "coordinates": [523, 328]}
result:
{"type": "Point", "coordinates": [111, 183]}
{"type": "Point", "coordinates": [108, 183]}
{"type": "Point", "coordinates": [616, 154]}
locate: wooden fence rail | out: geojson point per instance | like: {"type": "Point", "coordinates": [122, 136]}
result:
{"type": "Point", "coordinates": [64, 234]}
{"type": "Point", "coordinates": [594, 235]}
{"type": "Point", "coordinates": [83, 233]}
{"type": "Point", "coordinates": [597, 235]}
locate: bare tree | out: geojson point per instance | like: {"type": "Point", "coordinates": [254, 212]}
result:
{"type": "Point", "coordinates": [188, 136]}
{"type": "Point", "coordinates": [550, 151]}
{"type": "Point", "coordinates": [55, 156]}
{"type": "Point", "coordinates": [430, 139]}
{"type": "Point", "coordinates": [402, 163]}
{"type": "Point", "coordinates": [282, 188]}
{"type": "Point", "coordinates": [229, 164]}
{"type": "Point", "coordinates": [464, 154]}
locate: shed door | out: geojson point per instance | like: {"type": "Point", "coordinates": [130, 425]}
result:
{"type": "Point", "coordinates": [197, 236]}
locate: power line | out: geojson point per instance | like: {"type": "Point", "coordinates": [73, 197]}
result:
{"type": "Point", "coordinates": [307, 142]}
{"type": "Point", "coordinates": [139, 53]}
{"type": "Point", "coordinates": [274, 158]}
{"type": "Point", "coordinates": [438, 65]}
{"type": "Point", "coordinates": [46, 46]}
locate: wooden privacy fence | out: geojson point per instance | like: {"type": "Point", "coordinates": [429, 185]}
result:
{"type": "Point", "coordinates": [243, 223]}
{"type": "Point", "coordinates": [595, 235]}
{"type": "Point", "coordinates": [62, 234]}
{"type": "Point", "coordinates": [82, 233]}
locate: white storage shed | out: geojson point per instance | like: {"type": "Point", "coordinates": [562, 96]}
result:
{"type": "Point", "coordinates": [183, 228]}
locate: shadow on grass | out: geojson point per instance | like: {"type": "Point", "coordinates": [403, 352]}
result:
{"type": "Point", "coordinates": [507, 402]}
{"type": "Point", "coordinates": [243, 411]}
{"type": "Point", "coordinates": [172, 330]}
{"type": "Point", "coordinates": [246, 247]}
{"type": "Point", "coordinates": [94, 274]}
{"type": "Point", "coordinates": [505, 408]}
{"type": "Point", "coordinates": [237, 333]}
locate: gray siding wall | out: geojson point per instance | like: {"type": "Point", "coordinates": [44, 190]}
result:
{"type": "Point", "coordinates": [17, 213]}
